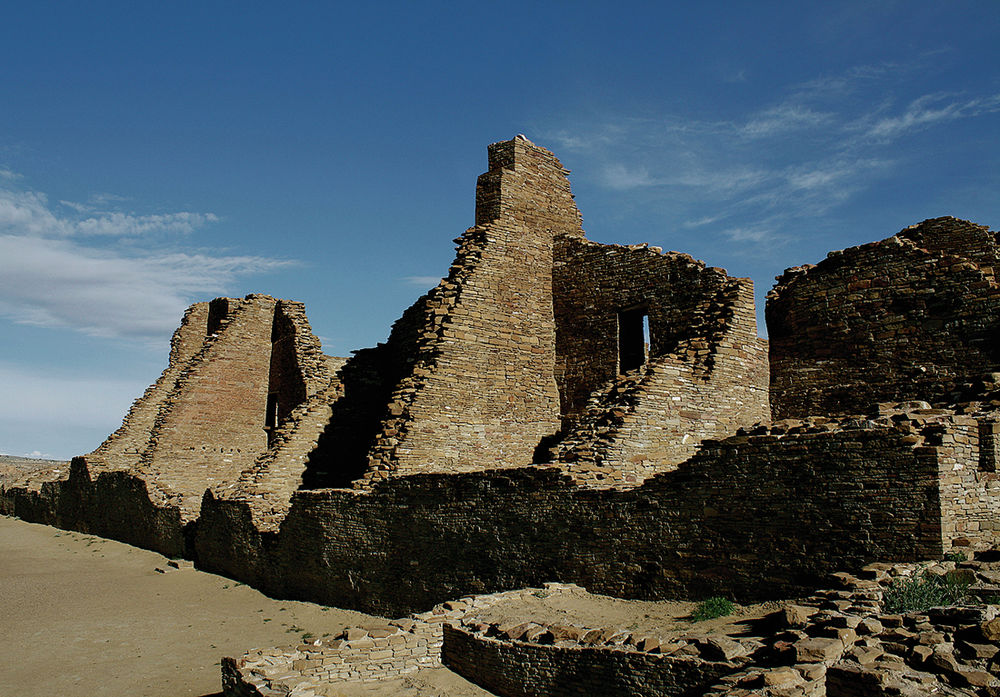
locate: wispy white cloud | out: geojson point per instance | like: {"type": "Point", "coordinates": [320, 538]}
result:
{"type": "Point", "coordinates": [701, 222]}
{"type": "Point", "coordinates": [55, 273]}
{"type": "Point", "coordinates": [59, 283]}
{"type": "Point", "coordinates": [781, 119]}
{"type": "Point", "coordinates": [757, 178]}
{"type": "Point", "coordinates": [8, 174]}
{"type": "Point", "coordinates": [620, 176]}
{"type": "Point", "coordinates": [422, 280]}
{"type": "Point", "coordinates": [752, 233]}
{"type": "Point", "coordinates": [928, 111]}
{"type": "Point", "coordinates": [29, 212]}
{"type": "Point", "coordinates": [124, 224]}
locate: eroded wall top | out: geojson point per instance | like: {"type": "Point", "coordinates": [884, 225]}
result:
{"type": "Point", "coordinates": [915, 316]}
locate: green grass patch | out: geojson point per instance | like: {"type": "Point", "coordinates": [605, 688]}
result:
{"type": "Point", "coordinates": [920, 593]}
{"type": "Point", "coordinates": [711, 608]}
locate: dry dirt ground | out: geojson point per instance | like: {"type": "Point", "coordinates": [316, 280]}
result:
{"type": "Point", "coordinates": [82, 615]}
{"type": "Point", "coordinates": [660, 618]}
{"type": "Point", "coordinates": [14, 468]}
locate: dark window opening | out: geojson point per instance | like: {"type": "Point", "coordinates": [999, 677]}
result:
{"type": "Point", "coordinates": [271, 416]}
{"type": "Point", "coordinates": [633, 338]}
{"type": "Point", "coordinates": [989, 439]}
{"type": "Point", "coordinates": [217, 311]}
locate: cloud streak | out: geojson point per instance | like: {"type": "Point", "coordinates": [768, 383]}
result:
{"type": "Point", "coordinates": [758, 178]}
{"type": "Point", "coordinates": [55, 271]}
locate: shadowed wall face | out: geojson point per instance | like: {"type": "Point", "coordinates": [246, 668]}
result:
{"type": "Point", "coordinates": [915, 316]}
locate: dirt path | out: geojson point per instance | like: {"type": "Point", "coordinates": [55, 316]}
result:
{"type": "Point", "coordinates": [83, 616]}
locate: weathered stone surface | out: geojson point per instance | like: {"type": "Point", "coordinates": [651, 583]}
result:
{"type": "Point", "coordinates": [817, 650]}
{"type": "Point", "coordinates": [910, 317]}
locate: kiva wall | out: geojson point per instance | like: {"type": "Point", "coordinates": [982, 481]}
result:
{"type": "Point", "coordinates": [915, 316]}
{"type": "Point", "coordinates": [521, 669]}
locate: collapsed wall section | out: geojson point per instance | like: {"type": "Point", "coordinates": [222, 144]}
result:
{"type": "Point", "coordinates": [123, 448]}
{"type": "Point", "coordinates": [466, 379]}
{"type": "Point", "coordinates": [212, 425]}
{"type": "Point", "coordinates": [235, 365]}
{"type": "Point", "coordinates": [915, 316]}
{"type": "Point", "coordinates": [638, 408]}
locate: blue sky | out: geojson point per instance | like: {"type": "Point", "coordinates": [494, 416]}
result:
{"type": "Point", "coordinates": [157, 154]}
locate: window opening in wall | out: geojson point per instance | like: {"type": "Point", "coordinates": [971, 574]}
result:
{"type": "Point", "coordinates": [989, 440]}
{"type": "Point", "coordinates": [217, 311]}
{"type": "Point", "coordinates": [271, 416]}
{"type": "Point", "coordinates": [633, 337]}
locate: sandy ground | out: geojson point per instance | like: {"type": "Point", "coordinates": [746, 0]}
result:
{"type": "Point", "coordinates": [84, 616]}
{"type": "Point", "coordinates": [664, 619]}
{"type": "Point", "coordinates": [13, 469]}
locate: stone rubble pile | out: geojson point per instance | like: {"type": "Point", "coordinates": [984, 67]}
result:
{"type": "Point", "coordinates": [843, 643]}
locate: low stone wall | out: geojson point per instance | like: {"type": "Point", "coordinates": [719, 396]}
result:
{"type": "Point", "coordinates": [743, 517]}
{"type": "Point", "coordinates": [843, 641]}
{"type": "Point", "coordinates": [528, 669]}
{"type": "Point", "coordinates": [358, 654]}
{"type": "Point", "coordinates": [114, 504]}
{"type": "Point", "coordinates": [763, 514]}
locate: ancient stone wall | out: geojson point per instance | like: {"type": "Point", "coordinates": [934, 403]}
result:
{"type": "Point", "coordinates": [969, 487]}
{"type": "Point", "coordinates": [704, 375]}
{"type": "Point", "coordinates": [111, 503]}
{"type": "Point", "coordinates": [485, 394]}
{"type": "Point", "coordinates": [741, 517]}
{"type": "Point", "coordinates": [211, 426]}
{"type": "Point", "coordinates": [466, 379]}
{"type": "Point", "coordinates": [238, 369]}
{"type": "Point", "coordinates": [526, 669]}
{"type": "Point", "coordinates": [122, 449]}
{"type": "Point", "coordinates": [915, 316]}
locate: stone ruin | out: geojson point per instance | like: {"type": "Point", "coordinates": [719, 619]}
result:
{"type": "Point", "coordinates": [559, 410]}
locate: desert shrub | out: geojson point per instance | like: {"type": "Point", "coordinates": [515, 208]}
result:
{"type": "Point", "coordinates": [919, 593]}
{"type": "Point", "coordinates": [711, 608]}
{"type": "Point", "coordinates": [955, 556]}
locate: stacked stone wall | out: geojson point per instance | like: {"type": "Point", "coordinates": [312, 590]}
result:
{"type": "Point", "coordinates": [466, 380]}
{"type": "Point", "coordinates": [969, 490]}
{"type": "Point", "coordinates": [485, 392]}
{"type": "Point", "coordinates": [524, 669]}
{"type": "Point", "coordinates": [741, 517]}
{"type": "Point", "coordinates": [116, 504]}
{"type": "Point", "coordinates": [706, 372]}
{"type": "Point", "coordinates": [123, 448]}
{"type": "Point", "coordinates": [211, 427]}
{"type": "Point", "coordinates": [915, 316]}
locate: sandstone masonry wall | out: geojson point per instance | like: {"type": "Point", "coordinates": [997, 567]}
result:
{"type": "Point", "coordinates": [466, 379]}
{"type": "Point", "coordinates": [484, 392]}
{"type": "Point", "coordinates": [915, 316]}
{"type": "Point", "coordinates": [741, 517]}
{"type": "Point", "coordinates": [122, 449]}
{"type": "Point", "coordinates": [211, 426]}
{"type": "Point", "coordinates": [706, 372]}
{"type": "Point", "coordinates": [525, 669]}
{"type": "Point", "coordinates": [204, 423]}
